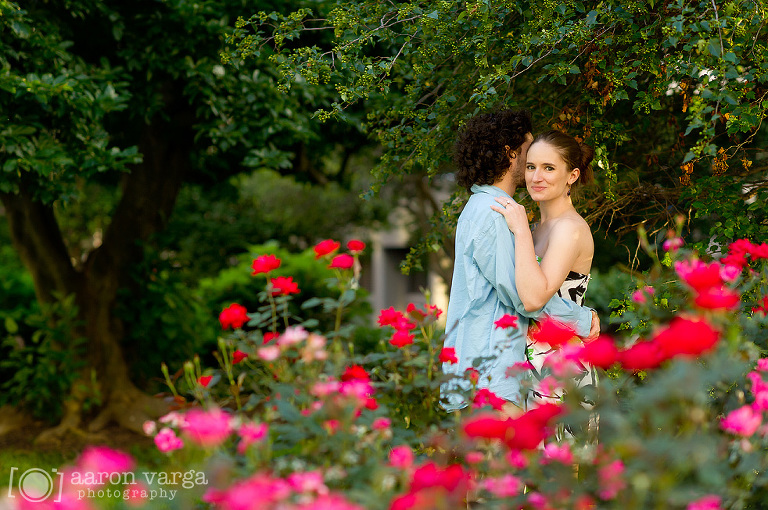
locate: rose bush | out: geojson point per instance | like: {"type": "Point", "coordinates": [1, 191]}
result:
{"type": "Point", "coordinates": [294, 418]}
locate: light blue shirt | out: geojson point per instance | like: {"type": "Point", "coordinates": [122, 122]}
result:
{"type": "Point", "coordinates": [482, 291]}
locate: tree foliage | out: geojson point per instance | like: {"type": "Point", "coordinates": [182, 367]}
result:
{"type": "Point", "coordinates": [109, 108]}
{"type": "Point", "coordinates": [672, 94]}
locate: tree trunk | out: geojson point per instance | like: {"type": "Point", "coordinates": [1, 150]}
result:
{"type": "Point", "coordinates": [148, 195]}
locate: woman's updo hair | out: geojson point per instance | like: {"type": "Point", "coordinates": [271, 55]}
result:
{"type": "Point", "coordinates": [575, 154]}
{"type": "Point", "coordinates": [479, 152]}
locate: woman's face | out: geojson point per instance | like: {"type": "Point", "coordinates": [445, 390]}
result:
{"type": "Point", "coordinates": [546, 174]}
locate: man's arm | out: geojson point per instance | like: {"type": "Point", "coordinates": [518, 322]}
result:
{"type": "Point", "coordinates": [495, 256]}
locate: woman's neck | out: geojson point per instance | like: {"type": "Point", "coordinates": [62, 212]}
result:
{"type": "Point", "coordinates": [555, 208]}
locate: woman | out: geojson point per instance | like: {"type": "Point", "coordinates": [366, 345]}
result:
{"type": "Point", "coordinates": [561, 241]}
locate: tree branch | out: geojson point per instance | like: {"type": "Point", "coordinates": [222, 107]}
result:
{"type": "Point", "coordinates": [38, 240]}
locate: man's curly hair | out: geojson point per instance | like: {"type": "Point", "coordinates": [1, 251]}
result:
{"type": "Point", "coordinates": [479, 152]}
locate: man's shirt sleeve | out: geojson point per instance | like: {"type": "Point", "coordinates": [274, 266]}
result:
{"type": "Point", "coordinates": [494, 253]}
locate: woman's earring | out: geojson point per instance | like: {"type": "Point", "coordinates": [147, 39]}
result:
{"type": "Point", "coordinates": [569, 190]}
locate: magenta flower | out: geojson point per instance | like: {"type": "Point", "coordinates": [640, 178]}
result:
{"type": "Point", "coordinates": [167, 441]}
{"type": "Point", "coordinates": [730, 273]}
{"type": "Point", "coordinates": [381, 424]}
{"type": "Point", "coordinates": [710, 502]}
{"type": "Point", "coordinates": [207, 428]}
{"type": "Point", "coordinates": [325, 388]}
{"type": "Point", "coordinates": [743, 421]}
{"type": "Point", "coordinates": [101, 459]}
{"type": "Point", "coordinates": [250, 433]}
{"type": "Point", "coordinates": [258, 491]}
{"type": "Point", "coordinates": [610, 480]}
{"type": "Point", "coordinates": [401, 457]}
{"type": "Point", "coordinates": [506, 486]}
{"type": "Point", "coordinates": [328, 502]}
{"type": "Point", "coordinates": [672, 244]}
{"type": "Point", "coordinates": [311, 481]}
{"type": "Point", "coordinates": [506, 321]}
{"type": "Point", "coordinates": [558, 453]}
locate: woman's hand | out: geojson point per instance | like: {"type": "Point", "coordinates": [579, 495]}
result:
{"type": "Point", "coordinates": [514, 213]}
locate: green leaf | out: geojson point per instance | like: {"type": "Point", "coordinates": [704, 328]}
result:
{"type": "Point", "coordinates": [714, 48]}
{"type": "Point", "coordinates": [11, 326]}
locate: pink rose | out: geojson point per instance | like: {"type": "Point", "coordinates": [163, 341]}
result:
{"type": "Point", "coordinates": [207, 428]}
{"type": "Point", "coordinates": [166, 440]}
{"type": "Point", "coordinates": [401, 457]}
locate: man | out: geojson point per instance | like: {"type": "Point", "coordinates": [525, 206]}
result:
{"type": "Point", "coordinates": [490, 154]}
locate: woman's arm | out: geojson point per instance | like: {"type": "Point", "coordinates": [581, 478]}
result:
{"type": "Point", "coordinates": [536, 284]}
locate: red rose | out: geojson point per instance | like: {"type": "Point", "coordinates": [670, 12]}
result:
{"type": "Point", "coordinates": [737, 259]}
{"type": "Point", "coordinates": [238, 356]}
{"type": "Point", "coordinates": [544, 413]}
{"type": "Point", "coordinates": [601, 352]}
{"type": "Point", "coordinates": [371, 404]}
{"type": "Point", "coordinates": [759, 251]}
{"type": "Point", "coordinates": [642, 356]}
{"type": "Point", "coordinates": [531, 428]}
{"type": "Point", "coordinates": [718, 298]}
{"type": "Point", "coordinates": [355, 246]}
{"type": "Point", "coordinates": [389, 316]}
{"type": "Point", "coordinates": [323, 248]}
{"type": "Point", "coordinates": [403, 324]}
{"type": "Point", "coordinates": [485, 397]}
{"type": "Point", "coordinates": [414, 312]}
{"type": "Point", "coordinates": [553, 333]}
{"type": "Point", "coordinates": [355, 372]}
{"type": "Point", "coordinates": [429, 475]}
{"type": "Point", "coordinates": [487, 426]}
{"type": "Point", "coordinates": [434, 310]}
{"type": "Point", "coordinates": [740, 247]}
{"type": "Point", "coordinates": [204, 380]}
{"type": "Point", "coordinates": [268, 337]}
{"type": "Point", "coordinates": [343, 261]}
{"type": "Point", "coordinates": [686, 337]}
{"type": "Point", "coordinates": [506, 321]}
{"type": "Point", "coordinates": [284, 285]}
{"type": "Point", "coordinates": [233, 316]}
{"type": "Point", "coordinates": [472, 374]}
{"type": "Point", "coordinates": [401, 338]}
{"type": "Point", "coordinates": [699, 275]}
{"type": "Point", "coordinates": [448, 355]}
{"type": "Point", "coordinates": [265, 264]}
{"type": "Point", "coordinates": [762, 306]}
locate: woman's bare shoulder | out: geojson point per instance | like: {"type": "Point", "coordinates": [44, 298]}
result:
{"type": "Point", "coordinates": [572, 224]}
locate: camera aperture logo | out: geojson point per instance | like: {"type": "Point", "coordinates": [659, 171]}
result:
{"type": "Point", "coordinates": [37, 485]}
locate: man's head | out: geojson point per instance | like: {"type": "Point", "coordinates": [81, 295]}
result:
{"type": "Point", "coordinates": [492, 144]}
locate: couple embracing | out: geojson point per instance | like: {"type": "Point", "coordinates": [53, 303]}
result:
{"type": "Point", "coordinates": [501, 267]}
